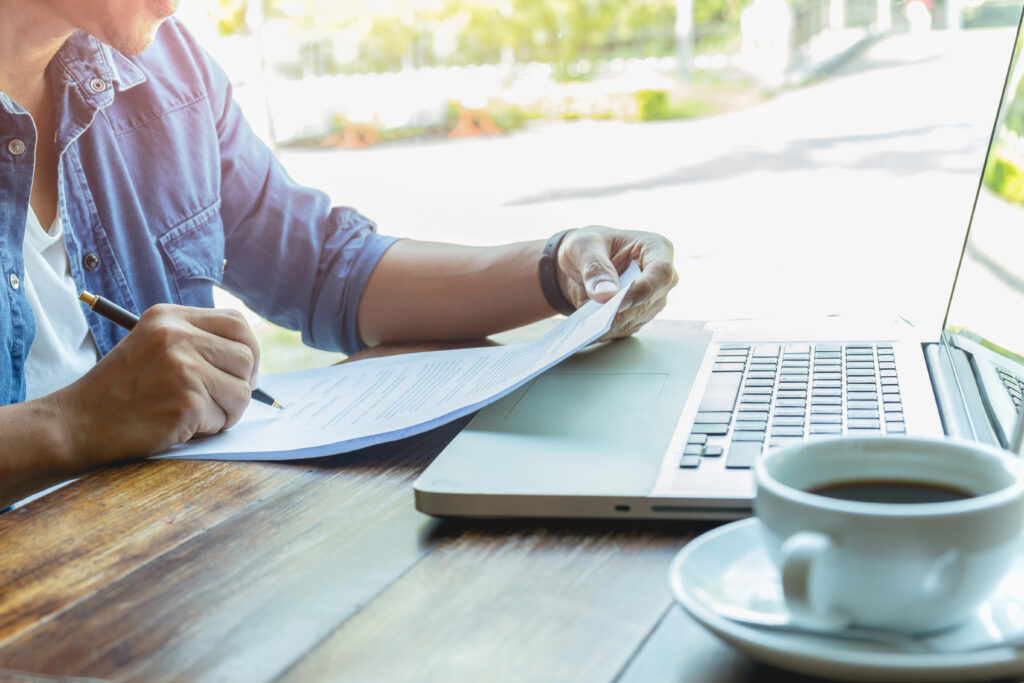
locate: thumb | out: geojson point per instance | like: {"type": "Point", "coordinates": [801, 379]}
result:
{"type": "Point", "coordinates": [600, 277]}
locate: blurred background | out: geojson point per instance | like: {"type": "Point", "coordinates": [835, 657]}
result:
{"type": "Point", "coordinates": [806, 157]}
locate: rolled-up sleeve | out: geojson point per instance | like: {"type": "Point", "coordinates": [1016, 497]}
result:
{"type": "Point", "coordinates": [290, 255]}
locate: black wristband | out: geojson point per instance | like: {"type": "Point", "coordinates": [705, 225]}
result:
{"type": "Point", "coordinates": [547, 268]}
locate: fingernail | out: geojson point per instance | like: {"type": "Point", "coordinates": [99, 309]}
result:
{"type": "Point", "coordinates": [605, 287]}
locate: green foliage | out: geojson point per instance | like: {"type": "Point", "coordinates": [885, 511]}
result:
{"type": "Point", "coordinates": [387, 44]}
{"type": "Point", "coordinates": [655, 105]}
{"type": "Point", "coordinates": [1005, 178]}
{"type": "Point", "coordinates": [1014, 120]}
{"type": "Point", "coordinates": [652, 105]}
{"type": "Point", "coordinates": [507, 117]}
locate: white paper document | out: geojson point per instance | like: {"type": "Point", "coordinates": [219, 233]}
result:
{"type": "Point", "coordinates": [353, 405]}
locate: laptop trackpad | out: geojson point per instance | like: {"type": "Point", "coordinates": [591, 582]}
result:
{"type": "Point", "coordinates": [586, 403]}
{"type": "Point", "coordinates": [596, 424]}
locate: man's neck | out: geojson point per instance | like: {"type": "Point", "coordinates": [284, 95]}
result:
{"type": "Point", "coordinates": [30, 35]}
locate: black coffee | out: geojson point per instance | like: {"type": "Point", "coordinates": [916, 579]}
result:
{"type": "Point", "coordinates": [881, 491]}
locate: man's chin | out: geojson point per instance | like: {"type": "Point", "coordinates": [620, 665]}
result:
{"type": "Point", "coordinates": [132, 45]}
{"type": "Point", "coordinates": [164, 8]}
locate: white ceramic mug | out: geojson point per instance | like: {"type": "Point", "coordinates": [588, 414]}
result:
{"type": "Point", "coordinates": [911, 567]}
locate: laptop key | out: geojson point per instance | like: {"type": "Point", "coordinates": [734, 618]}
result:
{"type": "Point", "coordinates": [826, 410]}
{"type": "Point", "coordinates": [742, 455]}
{"type": "Point", "coordinates": [720, 393]}
{"type": "Point", "coordinates": [819, 419]}
{"type": "Point", "coordinates": [712, 451]}
{"type": "Point", "coordinates": [710, 429]}
{"type": "Point", "coordinates": [896, 427]}
{"type": "Point", "coordinates": [751, 425]}
{"type": "Point", "coordinates": [729, 367]}
{"type": "Point", "coordinates": [698, 439]}
{"type": "Point", "coordinates": [761, 374]}
{"type": "Point", "coordinates": [855, 423]}
{"type": "Point", "coordinates": [781, 441]}
{"type": "Point", "coordinates": [693, 449]}
{"type": "Point", "coordinates": [748, 436]}
{"type": "Point", "coordinates": [862, 405]}
{"type": "Point", "coordinates": [825, 401]}
{"type": "Point", "coordinates": [787, 431]}
{"type": "Point", "coordinates": [867, 414]}
{"type": "Point", "coordinates": [826, 429]}
{"type": "Point", "coordinates": [788, 421]}
{"type": "Point", "coordinates": [756, 398]}
{"type": "Point", "coordinates": [766, 350]}
{"type": "Point", "coordinates": [788, 410]}
{"type": "Point", "coordinates": [792, 393]}
{"type": "Point", "coordinates": [826, 392]}
{"type": "Point", "coordinates": [712, 418]}
{"type": "Point", "coordinates": [690, 462]}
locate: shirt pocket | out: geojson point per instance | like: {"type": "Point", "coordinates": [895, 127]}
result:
{"type": "Point", "coordinates": [194, 250]}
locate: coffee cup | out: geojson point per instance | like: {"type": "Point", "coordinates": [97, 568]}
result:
{"type": "Point", "coordinates": [902, 533]}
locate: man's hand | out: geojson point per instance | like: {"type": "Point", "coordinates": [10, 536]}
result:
{"type": "Point", "coordinates": [590, 260]}
{"type": "Point", "coordinates": [180, 373]}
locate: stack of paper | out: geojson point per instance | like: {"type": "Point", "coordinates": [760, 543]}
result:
{"type": "Point", "coordinates": [353, 405]}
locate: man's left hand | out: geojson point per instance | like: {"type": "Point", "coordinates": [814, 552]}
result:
{"type": "Point", "coordinates": [590, 260]}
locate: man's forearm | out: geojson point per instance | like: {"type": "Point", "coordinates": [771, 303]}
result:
{"type": "Point", "coordinates": [426, 290]}
{"type": "Point", "coordinates": [36, 451]}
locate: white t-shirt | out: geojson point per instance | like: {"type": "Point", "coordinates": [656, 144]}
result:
{"type": "Point", "coordinates": [63, 349]}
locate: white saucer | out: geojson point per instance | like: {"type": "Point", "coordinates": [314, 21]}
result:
{"type": "Point", "coordinates": [729, 564]}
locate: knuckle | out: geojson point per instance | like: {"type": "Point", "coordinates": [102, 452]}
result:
{"type": "Point", "coordinates": [248, 356]}
{"type": "Point", "coordinates": [158, 311]}
{"type": "Point", "coordinates": [236, 317]}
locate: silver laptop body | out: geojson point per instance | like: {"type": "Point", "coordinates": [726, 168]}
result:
{"type": "Point", "coordinates": [637, 428]}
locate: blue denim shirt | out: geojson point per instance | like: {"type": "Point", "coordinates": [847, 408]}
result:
{"type": "Point", "coordinates": [165, 192]}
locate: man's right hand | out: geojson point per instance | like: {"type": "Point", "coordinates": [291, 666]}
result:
{"type": "Point", "coordinates": [181, 372]}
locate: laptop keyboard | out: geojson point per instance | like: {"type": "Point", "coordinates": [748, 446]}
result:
{"type": "Point", "coordinates": [1014, 386]}
{"type": "Point", "coordinates": [763, 396]}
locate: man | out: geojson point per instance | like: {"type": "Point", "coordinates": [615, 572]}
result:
{"type": "Point", "coordinates": [126, 169]}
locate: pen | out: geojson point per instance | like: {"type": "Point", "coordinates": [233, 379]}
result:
{"type": "Point", "coordinates": [127, 319]}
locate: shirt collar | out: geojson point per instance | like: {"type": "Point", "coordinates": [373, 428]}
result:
{"type": "Point", "coordinates": [84, 58]}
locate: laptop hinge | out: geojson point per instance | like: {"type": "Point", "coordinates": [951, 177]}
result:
{"type": "Point", "coordinates": [961, 407]}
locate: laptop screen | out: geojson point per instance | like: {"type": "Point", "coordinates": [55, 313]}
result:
{"type": "Point", "coordinates": [985, 316]}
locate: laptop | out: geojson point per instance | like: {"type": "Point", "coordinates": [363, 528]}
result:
{"type": "Point", "coordinates": [668, 423]}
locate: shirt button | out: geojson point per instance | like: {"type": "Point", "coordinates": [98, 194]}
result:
{"type": "Point", "coordinates": [15, 281]}
{"type": "Point", "coordinates": [98, 85]}
{"type": "Point", "coordinates": [16, 147]}
{"type": "Point", "coordinates": [91, 261]}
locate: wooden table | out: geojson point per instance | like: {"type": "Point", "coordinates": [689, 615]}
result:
{"type": "Point", "coordinates": [324, 570]}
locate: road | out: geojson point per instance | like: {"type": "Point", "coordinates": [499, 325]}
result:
{"type": "Point", "coordinates": [848, 196]}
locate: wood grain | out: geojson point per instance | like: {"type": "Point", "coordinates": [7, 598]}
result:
{"type": "Point", "coordinates": [60, 548]}
{"type": "Point", "coordinates": [245, 598]}
{"type": "Point", "coordinates": [509, 604]}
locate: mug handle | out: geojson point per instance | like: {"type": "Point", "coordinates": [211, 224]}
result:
{"type": "Point", "coordinates": [800, 552]}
